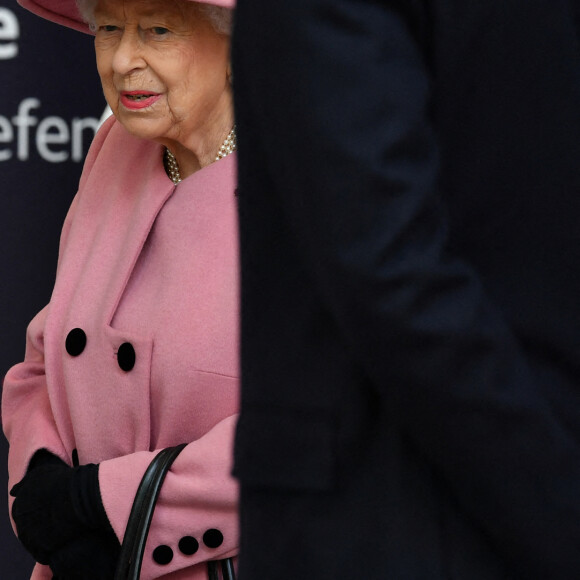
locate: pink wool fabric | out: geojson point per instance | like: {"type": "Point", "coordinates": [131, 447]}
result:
{"type": "Point", "coordinates": [154, 265]}
{"type": "Point", "coordinates": [65, 11]}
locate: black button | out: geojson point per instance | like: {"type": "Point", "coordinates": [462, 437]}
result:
{"type": "Point", "coordinates": [188, 545]}
{"type": "Point", "coordinates": [126, 356]}
{"type": "Point", "coordinates": [76, 341]}
{"type": "Point", "coordinates": [213, 538]}
{"type": "Point", "coordinates": [163, 555]}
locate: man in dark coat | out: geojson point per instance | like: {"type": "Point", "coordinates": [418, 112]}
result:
{"type": "Point", "coordinates": [409, 195]}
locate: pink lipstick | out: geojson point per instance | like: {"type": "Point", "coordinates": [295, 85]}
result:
{"type": "Point", "coordinates": [135, 100]}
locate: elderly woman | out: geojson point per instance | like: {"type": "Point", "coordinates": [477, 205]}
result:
{"type": "Point", "coordinates": [137, 349]}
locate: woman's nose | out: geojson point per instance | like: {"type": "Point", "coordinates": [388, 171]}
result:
{"type": "Point", "coordinates": [128, 56]}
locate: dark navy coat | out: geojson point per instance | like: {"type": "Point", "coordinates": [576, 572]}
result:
{"type": "Point", "coordinates": [409, 201]}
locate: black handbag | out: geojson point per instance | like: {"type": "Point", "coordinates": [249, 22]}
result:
{"type": "Point", "coordinates": [133, 547]}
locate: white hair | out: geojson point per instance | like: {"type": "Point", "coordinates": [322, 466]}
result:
{"type": "Point", "coordinates": [220, 17]}
{"type": "Point", "coordinates": [86, 9]}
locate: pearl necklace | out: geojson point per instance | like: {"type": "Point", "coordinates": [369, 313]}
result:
{"type": "Point", "coordinates": [172, 167]}
{"type": "Point", "coordinates": [228, 146]}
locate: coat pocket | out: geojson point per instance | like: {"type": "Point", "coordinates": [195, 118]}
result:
{"type": "Point", "coordinates": [285, 449]}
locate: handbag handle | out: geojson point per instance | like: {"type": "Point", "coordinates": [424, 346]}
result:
{"type": "Point", "coordinates": [133, 547]}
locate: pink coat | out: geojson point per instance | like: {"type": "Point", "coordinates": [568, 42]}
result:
{"type": "Point", "coordinates": [149, 269]}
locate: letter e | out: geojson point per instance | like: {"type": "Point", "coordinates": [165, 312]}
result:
{"type": "Point", "coordinates": [10, 31]}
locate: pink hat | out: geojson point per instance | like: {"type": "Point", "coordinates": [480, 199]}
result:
{"type": "Point", "coordinates": [65, 11]}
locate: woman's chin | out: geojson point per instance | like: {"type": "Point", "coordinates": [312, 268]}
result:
{"type": "Point", "coordinates": [143, 128]}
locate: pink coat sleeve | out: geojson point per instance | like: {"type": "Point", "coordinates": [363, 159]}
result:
{"type": "Point", "coordinates": [27, 418]}
{"type": "Point", "coordinates": [198, 500]}
{"type": "Point", "coordinates": [26, 412]}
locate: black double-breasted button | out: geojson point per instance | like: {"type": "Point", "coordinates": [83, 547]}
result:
{"type": "Point", "coordinates": [126, 356]}
{"type": "Point", "coordinates": [188, 545]}
{"type": "Point", "coordinates": [76, 340]}
{"type": "Point", "coordinates": [213, 538]}
{"type": "Point", "coordinates": [162, 555]}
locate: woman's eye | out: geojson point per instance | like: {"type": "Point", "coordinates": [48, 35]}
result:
{"type": "Point", "coordinates": [159, 30]}
{"type": "Point", "coordinates": [108, 28]}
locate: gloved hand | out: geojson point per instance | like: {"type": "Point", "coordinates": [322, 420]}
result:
{"type": "Point", "coordinates": [60, 518]}
{"type": "Point", "coordinates": [90, 557]}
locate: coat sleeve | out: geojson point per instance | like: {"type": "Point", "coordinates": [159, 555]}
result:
{"type": "Point", "coordinates": [195, 519]}
{"type": "Point", "coordinates": [355, 178]}
{"type": "Point", "coordinates": [27, 417]}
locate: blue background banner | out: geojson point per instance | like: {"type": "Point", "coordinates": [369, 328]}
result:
{"type": "Point", "coordinates": [50, 105]}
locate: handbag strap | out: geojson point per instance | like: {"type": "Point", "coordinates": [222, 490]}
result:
{"type": "Point", "coordinates": [133, 547]}
{"type": "Point", "coordinates": [227, 567]}
{"type": "Point", "coordinates": [135, 538]}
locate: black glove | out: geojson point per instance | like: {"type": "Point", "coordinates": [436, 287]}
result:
{"type": "Point", "coordinates": [59, 515]}
{"type": "Point", "coordinates": [90, 557]}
